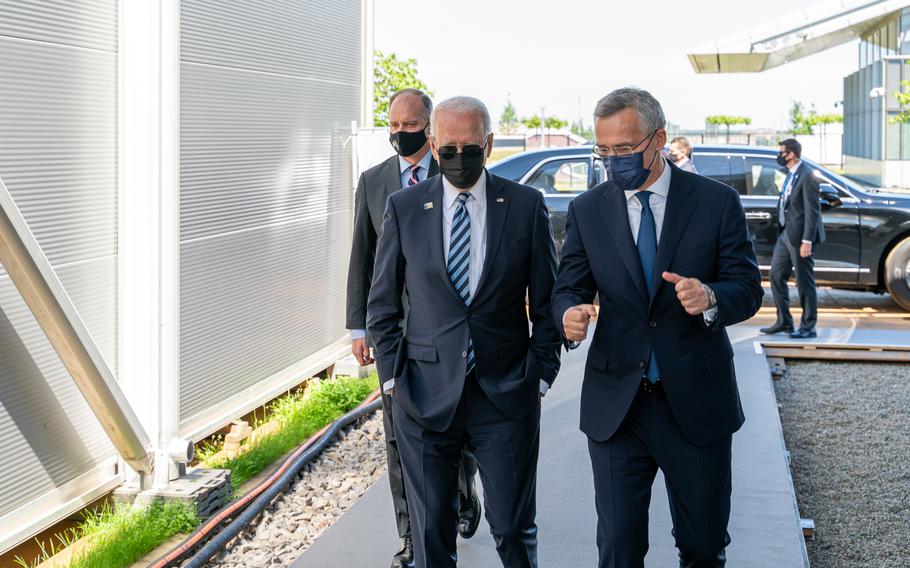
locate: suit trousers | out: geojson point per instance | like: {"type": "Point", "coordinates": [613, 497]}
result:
{"type": "Point", "coordinates": [785, 258]}
{"type": "Point", "coordinates": [698, 480]}
{"type": "Point", "coordinates": [466, 472]}
{"type": "Point", "coordinates": [506, 451]}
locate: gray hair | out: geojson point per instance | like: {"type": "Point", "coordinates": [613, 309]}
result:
{"type": "Point", "coordinates": [463, 105]}
{"type": "Point", "coordinates": [424, 98]}
{"type": "Point", "coordinates": [650, 114]}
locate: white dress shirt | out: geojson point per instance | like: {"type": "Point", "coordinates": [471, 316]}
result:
{"type": "Point", "coordinates": [660, 189]}
{"type": "Point", "coordinates": [477, 211]}
{"type": "Point", "coordinates": [404, 167]}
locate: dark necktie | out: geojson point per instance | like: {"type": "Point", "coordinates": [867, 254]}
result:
{"type": "Point", "coordinates": [647, 254]}
{"type": "Point", "coordinates": [459, 264]}
{"type": "Point", "coordinates": [413, 180]}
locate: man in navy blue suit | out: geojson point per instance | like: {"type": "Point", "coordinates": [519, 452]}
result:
{"type": "Point", "coordinates": [469, 247]}
{"type": "Point", "coordinates": [670, 256]}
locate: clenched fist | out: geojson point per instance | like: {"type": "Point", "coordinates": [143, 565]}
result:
{"type": "Point", "coordinates": [575, 321]}
{"type": "Point", "coordinates": [361, 351]}
{"type": "Point", "coordinates": [691, 293]}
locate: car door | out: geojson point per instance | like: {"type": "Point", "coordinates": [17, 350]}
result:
{"type": "Point", "coordinates": [759, 179]}
{"type": "Point", "coordinates": [560, 179]}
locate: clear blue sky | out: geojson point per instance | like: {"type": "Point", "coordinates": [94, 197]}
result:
{"type": "Point", "coordinates": [565, 54]}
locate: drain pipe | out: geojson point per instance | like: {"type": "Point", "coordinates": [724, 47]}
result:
{"type": "Point", "coordinates": [36, 281]}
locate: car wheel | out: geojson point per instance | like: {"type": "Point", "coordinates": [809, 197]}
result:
{"type": "Point", "coordinates": [897, 274]}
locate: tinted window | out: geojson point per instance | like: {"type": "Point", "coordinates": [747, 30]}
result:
{"type": "Point", "coordinates": [762, 177]}
{"type": "Point", "coordinates": [716, 167]}
{"type": "Point", "coordinates": [562, 176]}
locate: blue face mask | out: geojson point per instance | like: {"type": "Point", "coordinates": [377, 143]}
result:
{"type": "Point", "coordinates": [629, 172]}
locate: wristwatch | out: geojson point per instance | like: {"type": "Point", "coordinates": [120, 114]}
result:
{"type": "Point", "coordinates": [712, 299]}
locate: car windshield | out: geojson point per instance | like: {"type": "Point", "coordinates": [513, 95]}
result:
{"type": "Point", "coordinates": [850, 184]}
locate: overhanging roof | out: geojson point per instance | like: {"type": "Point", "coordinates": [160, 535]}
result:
{"type": "Point", "coordinates": [795, 36]}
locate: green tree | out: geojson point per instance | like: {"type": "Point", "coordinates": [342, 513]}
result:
{"type": "Point", "coordinates": [554, 122]}
{"type": "Point", "coordinates": [799, 119]}
{"type": "Point", "coordinates": [531, 122]}
{"type": "Point", "coordinates": [508, 120]}
{"type": "Point", "coordinates": [903, 99]}
{"type": "Point", "coordinates": [392, 74]}
{"type": "Point", "coordinates": [727, 120]}
{"type": "Point", "coordinates": [578, 127]}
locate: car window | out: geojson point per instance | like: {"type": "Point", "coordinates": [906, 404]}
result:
{"type": "Point", "coordinates": [562, 176]}
{"type": "Point", "coordinates": [762, 176]}
{"type": "Point", "coordinates": [717, 166]}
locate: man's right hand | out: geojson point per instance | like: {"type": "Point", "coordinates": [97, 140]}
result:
{"type": "Point", "coordinates": [361, 351]}
{"type": "Point", "coordinates": [575, 321]}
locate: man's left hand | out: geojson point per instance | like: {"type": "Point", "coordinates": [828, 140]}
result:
{"type": "Point", "coordinates": [690, 292]}
{"type": "Point", "coordinates": [805, 250]}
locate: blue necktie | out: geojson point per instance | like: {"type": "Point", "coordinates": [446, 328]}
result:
{"type": "Point", "coordinates": [783, 201]}
{"type": "Point", "coordinates": [647, 254]}
{"type": "Point", "coordinates": [459, 264]}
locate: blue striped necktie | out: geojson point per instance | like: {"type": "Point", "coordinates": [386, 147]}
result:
{"type": "Point", "coordinates": [459, 265]}
{"type": "Point", "coordinates": [647, 253]}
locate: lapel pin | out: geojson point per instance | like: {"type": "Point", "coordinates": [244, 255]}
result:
{"type": "Point", "coordinates": [428, 205]}
{"type": "Point", "coordinates": [500, 200]}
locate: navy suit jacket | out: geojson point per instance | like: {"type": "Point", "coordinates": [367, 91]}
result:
{"type": "Point", "coordinates": [704, 236]}
{"type": "Point", "coordinates": [428, 362]}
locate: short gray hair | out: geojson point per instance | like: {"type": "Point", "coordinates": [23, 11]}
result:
{"type": "Point", "coordinates": [463, 105]}
{"type": "Point", "coordinates": [424, 98]}
{"type": "Point", "coordinates": [650, 114]}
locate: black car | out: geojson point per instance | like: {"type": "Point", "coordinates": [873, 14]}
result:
{"type": "Point", "coordinates": [868, 231]}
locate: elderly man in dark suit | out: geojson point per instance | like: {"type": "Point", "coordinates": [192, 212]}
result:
{"type": "Point", "coordinates": [469, 248]}
{"type": "Point", "coordinates": [409, 120]}
{"type": "Point", "coordinates": [671, 258]}
{"type": "Point", "coordinates": [801, 229]}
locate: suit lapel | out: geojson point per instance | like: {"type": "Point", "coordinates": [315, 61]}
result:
{"type": "Point", "coordinates": [432, 201]}
{"type": "Point", "coordinates": [497, 209]}
{"type": "Point", "coordinates": [434, 168]}
{"type": "Point", "coordinates": [615, 212]}
{"type": "Point", "coordinates": [680, 204]}
{"type": "Point", "coordinates": [392, 176]}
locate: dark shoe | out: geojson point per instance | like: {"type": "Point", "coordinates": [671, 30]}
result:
{"type": "Point", "coordinates": [469, 516]}
{"type": "Point", "coordinates": [778, 327]}
{"type": "Point", "coordinates": [804, 334]}
{"type": "Point", "coordinates": [405, 556]}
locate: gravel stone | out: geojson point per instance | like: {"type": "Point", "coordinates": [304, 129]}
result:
{"type": "Point", "coordinates": [325, 489]}
{"type": "Point", "coordinates": [847, 427]}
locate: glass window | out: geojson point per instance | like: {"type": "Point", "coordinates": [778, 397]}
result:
{"type": "Point", "coordinates": [893, 139]}
{"type": "Point", "coordinates": [562, 176]}
{"type": "Point", "coordinates": [763, 177]}
{"type": "Point", "coordinates": [715, 167]}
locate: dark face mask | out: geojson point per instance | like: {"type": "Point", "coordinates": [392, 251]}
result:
{"type": "Point", "coordinates": [462, 169]}
{"type": "Point", "coordinates": [408, 143]}
{"type": "Point", "coordinates": [781, 160]}
{"type": "Point", "coordinates": [629, 172]}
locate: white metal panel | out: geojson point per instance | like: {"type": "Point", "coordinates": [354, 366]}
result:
{"type": "Point", "coordinates": [268, 94]}
{"type": "Point", "coordinates": [58, 157]}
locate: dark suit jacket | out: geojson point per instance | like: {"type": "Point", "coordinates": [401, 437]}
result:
{"type": "Point", "coordinates": [802, 210]}
{"type": "Point", "coordinates": [373, 190]}
{"type": "Point", "coordinates": [704, 236]}
{"type": "Point", "coordinates": [428, 361]}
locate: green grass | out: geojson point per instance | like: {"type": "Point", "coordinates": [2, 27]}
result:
{"type": "Point", "coordinates": [299, 416]}
{"type": "Point", "coordinates": [119, 536]}
{"type": "Point", "coordinates": [501, 153]}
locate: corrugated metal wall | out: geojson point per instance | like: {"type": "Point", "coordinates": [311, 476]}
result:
{"type": "Point", "coordinates": [268, 93]}
{"type": "Point", "coordinates": [58, 157]}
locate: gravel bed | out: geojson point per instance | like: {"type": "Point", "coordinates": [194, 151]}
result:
{"type": "Point", "coordinates": [326, 488]}
{"type": "Point", "coordinates": [847, 427]}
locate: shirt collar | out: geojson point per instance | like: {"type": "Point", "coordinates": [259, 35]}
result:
{"type": "Point", "coordinates": [660, 187]}
{"type": "Point", "coordinates": [796, 167]}
{"type": "Point", "coordinates": [478, 190]}
{"type": "Point", "coordinates": [423, 163]}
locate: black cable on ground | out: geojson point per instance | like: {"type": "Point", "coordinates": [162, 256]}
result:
{"type": "Point", "coordinates": [242, 520]}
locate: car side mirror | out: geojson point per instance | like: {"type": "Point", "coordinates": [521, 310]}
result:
{"type": "Point", "coordinates": [829, 196]}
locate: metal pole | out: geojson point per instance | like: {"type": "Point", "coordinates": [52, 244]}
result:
{"type": "Point", "coordinates": [36, 281]}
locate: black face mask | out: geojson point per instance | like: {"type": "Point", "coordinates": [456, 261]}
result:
{"type": "Point", "coordinates": [408, 143]}
{"type": "Point", "coordinates": [781, 161]}
{"type": "Point", "coordinates": [462, 169]}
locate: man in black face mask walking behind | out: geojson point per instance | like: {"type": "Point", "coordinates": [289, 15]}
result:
{"type": "Point", "coordinates": [409, 122]}
{"type": "Point", "coordinates": [670, 255]}
{"type": "Point", "coordinates": [468, 247]}
{"type": "Point", "coordinates": [801, 228]}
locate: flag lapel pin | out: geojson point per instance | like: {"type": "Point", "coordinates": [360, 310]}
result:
{"type": "Point", "coordinates": [500, 200]}
{"type": "Point", "coordinates": [428, 205]}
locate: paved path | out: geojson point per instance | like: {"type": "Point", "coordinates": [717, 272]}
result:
{"type": "Point", "coordinates": [764, 523]}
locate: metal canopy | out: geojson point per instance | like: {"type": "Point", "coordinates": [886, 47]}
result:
{"type": "Point", "coordinates": [795, 36]}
